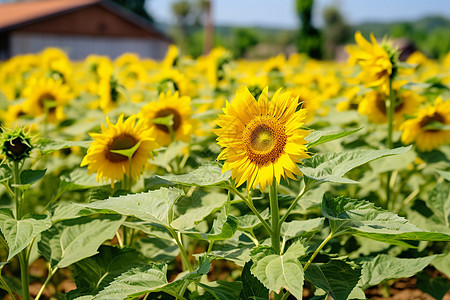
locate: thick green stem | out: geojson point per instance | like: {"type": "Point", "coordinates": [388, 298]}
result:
{"type": "Point", "coordinates": [47, 280]}
{"type": "Point", "coordinates": [184, 256]}
{"type": "Point", "coordinates": [390, 107]}
{"type": "Point", "coordinates": [325, 241]}
{"type": "Point", "coordinates": [25, 278]}
{"type": "Point", "coordinates": [17, 191]}
{"type": "Point", "coordinates": [275, 216]}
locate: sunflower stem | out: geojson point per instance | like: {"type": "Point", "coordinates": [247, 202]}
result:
{"type": "Point", "coordinates": [24, 275]}
{"type": "Point", "coordinates": [6, 287]}
{"type": "Point", "coordinates": [390, 107]}
{"type": "Point", "coordinates": [184, 256]}
{"type": "Point", "coordinates": [324, 242]}
{"type": "Point", "coordinates": [275, 216]}
{"type": "Point", "coordinates": [47, 280]}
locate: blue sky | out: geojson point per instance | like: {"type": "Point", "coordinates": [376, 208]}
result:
{"type": "Point", "coordinates": [281, 13]}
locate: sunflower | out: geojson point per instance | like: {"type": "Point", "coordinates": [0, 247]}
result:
{"type": "Point", "coordinates": [373, 105]}
{"type": "Point", "coordinates": [422, 129]}
{"type": "Point", "coordinates": [375, 61]}
{"type": "Point", "coordinates": [262, 139]}
{"type": "Point", "coordinates": [168, 104]}
{"type": "Point", "coordinates": [126, 134]}
{"type": "Point", "coordinates": [46, 94]}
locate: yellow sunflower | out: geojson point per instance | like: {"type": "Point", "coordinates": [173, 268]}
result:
{"type": "Point", "coordinates": [262, 139]}
{"type": "Point", "coordinates": [46, 94]}
{"type": "Point", "coordinates": [422, 130]}
{"type": "Point", "coordinates": [374, 60]}
{"type": "Point", "coordinates": [373, 105]}
{"type": "Point", "coordinates": [155, 115]}
{"type": "Point", "coordinates": [126, 134]}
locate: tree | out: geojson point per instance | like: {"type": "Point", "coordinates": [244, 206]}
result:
{"type": "Point", "coordinates": [309, 38]}
{"type": "Point", "coordinates": [336, 30]}
{"type": "Point", "coordinates": [136, 6]}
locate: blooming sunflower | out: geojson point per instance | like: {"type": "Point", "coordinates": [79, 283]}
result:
{"type": "Point", "coordinates": [169, 104]}
{"type": "Point", "coordinates": [262, 139]}
{"type": "Point", "coordinates": [126, 134]}
{"type": "Point", "coordinates": [46, 94]}
{"type": "Point", "coordinates": [375, 61]}
{"type": "Point", "coordinates": [421, 129]}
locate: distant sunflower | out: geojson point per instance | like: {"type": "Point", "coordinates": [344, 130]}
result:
{"type": "Point", "coordinates": [421, 129]}
{"type": "Point", "coordinates": [126, 134]}
{"type": "Point", "coordinates": [169, 104]}
{"type": "Point", "coordinates": [46, 94]}
{"type": "Point", "coordinates": [262, 139]}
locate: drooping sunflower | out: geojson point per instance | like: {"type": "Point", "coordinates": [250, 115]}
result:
{"type": "Point", "coordinates": [375, 61]}
{"type": "Point", "coordinates": [169, 104]}
{"type": "Point", "coordinates": [111, 166]}
{"type": "Point", "coordinates": [262, 139]}
{"type": "Point", "coordinates": [421, 129]}
{"type": "Point", "coordinates": [46, 94]}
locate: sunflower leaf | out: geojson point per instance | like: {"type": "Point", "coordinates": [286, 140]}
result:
{"type": "Point", "coordinates": [154, 206]}
{"type": "Point", "coordinates": [79, 179]}
{"type": "Point", "coordinates": [362, 218]}
{"type": "Point", "coordinates": [207, 175]}
{"type": "Point", "coordinates": [320, 137]}
{"type": "Point", "coordinates": [127, 152]}
{"type": "Point", "coordinates": [48, 146]}
{"type": "Point", "coordinates": [330, 167]}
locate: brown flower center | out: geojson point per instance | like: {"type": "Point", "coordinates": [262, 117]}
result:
{"type": "Point", "coordinates": [167, 112]}
{"type": "Point", "coordinates": [435, 117]}
{"type": "Point", "coordinates": [264, 139]}
{"type": "Point", "coordinates": [47, 99]}
{"type": "Point", "coordinates": [121, 142]}
{"type": "Point", "coordinates": [381, 104]}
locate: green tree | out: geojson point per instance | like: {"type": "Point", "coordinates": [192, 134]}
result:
{"type": "Point", "coordinates": [244, 39]}
{"type": "Point", "coordinates": [136, 6]}
{"type": "Point", "coordinates": [309, 38]}
{"type": "Point", "coordinates": [336, 30]}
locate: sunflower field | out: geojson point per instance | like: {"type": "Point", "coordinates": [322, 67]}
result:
{"type": "Point", "coordinates": [216, 178]}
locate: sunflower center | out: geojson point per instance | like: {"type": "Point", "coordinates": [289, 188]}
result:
{"type": "Point", "coordinates": [381, 104]}
{"type": "Point", "coordinates": [120, 142]}
{"type": "Point", "coordinates": [435, 117]}
{"type": "Point", "coordinates": [167, 112]}
{"type": "Point", "coordinates": [264, 139]}
{"type": "Point", "coordinates": [47, 100]}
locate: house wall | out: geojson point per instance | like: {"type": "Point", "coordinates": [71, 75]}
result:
{"type": "Point", "coordinates": [79, 46]}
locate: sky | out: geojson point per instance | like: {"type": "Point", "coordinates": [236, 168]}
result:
{"type": "Point", "coordinates": [281, 13]}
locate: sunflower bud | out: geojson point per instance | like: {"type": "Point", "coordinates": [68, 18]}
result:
{"type": "Point", "coordinates": [15, 144]}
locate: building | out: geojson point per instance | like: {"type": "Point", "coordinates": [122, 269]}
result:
{"type": "Point", "coordinates": [80, 27]}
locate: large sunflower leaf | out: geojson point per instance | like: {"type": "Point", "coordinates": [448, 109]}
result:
{"type": "Point", "coordinates": [154, 206]}
{"type": "Point", "coordinates": [324, 277]}
{"type": "Point", "coordinates": [20, 233]}
{"type": "Point", "coordinates": [72, 240]}
{"type": "Point", "coordinates": [296, 228]}
{"type": "Point", "coordinates": [223, 290]}
{"type": "Point", "coordinates": [252, 287]}
{"type": "Point", "coordinates": [79, 179]}
{"type": "Point", "coordinates": [48, 146]}
{"type": "Point", "coordinates": [439, 202]}
{"type": "Point", "coordinates": [384, 267]}
{"type": "Point", "coordinates": [318, 137]}
{"type": "Point", "coordinates": [207, 175]}
{"type": "Point", "coordinates": [236, 249]}
{"type": "Point", "coordinates": [331, 167]}
{"type": "Point", "coordinates": [362, 218]}
{"type": "Point", "coordinates": [280, 271]}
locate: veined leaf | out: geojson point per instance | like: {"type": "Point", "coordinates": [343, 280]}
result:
{"type": "Point", "coordinates": [207, 175]}
{"type": "Point", "coordinates": [79, 179]}
{"type": "Point", "coordinates": [444, 174]}
{"type": "Point", "coordinates": [439, 202]}
{"type": "Point", "coordinates": [316, 138]}
{"type": "Point", "coordinates": [48, 146]}
{"type": "Point", "coordinates": [336, 277]}
{"type": "Point", "coordinates": [28, 177]}
{"type": "Point", "coordinates": [332, 166]}
{"type": "Point", "coordinates": [236, 249]}
{"type": "Point", "coordinates": [250, 222]}
{"type": "Point", "coordinates": [223, 290]}
{"type": "Point", "coordinates": [72, 240]}
{"type": "Point", "coordinates": [154, 206]}
{"type": "Point", "coordinates": [383, 267]}
{"type": "Point", "coordinates": [251, 287]}
{"type": "Point", "coordinates": [280, 271]}
{"type": "Point", "coordinates": [20, 233]}
{"type": "Point", "coordinates": [362, 218]}
{"type": "Point", "coordinates": [296, 228]}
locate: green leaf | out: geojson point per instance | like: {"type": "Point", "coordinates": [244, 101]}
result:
{"type": "Point", "coordinates": [442, 263]}
{"type": "Point", "coordinates": [28, 177]}
{"type": "Point", "coordinates": [223, 228]}
{"type": "Point", "coordinates": [20, 233]}
{"type": "Point", "coordinates": [439, 202]}
{"type": "Point", "coordinates": [79, 179]}
{"type": "Point", "coordinates": [154, 206]}
{"type": "Point", "coordinates": [436, 126]}
{"type": "Point", "coordinates": [436, 287]}
{"type": "Point", "coordinates": [65, 211]}
{"type": "Point", "coordinates": [383, 267]}
{"type": "Point", "coordinates": [415, 86]}
{"type": "Point", "coordinates": [362, 218]}
{"type": "Point", "coordinates": [280, 271]}
{"type": "Point", "coordinates": [163, 158]}
{"type": "Point", "coordinates": [252, 287]}
{"type": "Point", "coordinates": [293, 229]}
{"type": "Point", "coordinates": [5, 173]}
{"type": "Point", "coordinates": [157, 249]}
{"type": "Point", "coordinates": [72, 240]}
{"type": "Point", "coordinates": [324, 277]}
{"type": "Point", "coordinates": [192, 210]}
{"type": "Point", "coordinates": [444, 174]}
{"type": "Point", "coordinates": [330, 167]}
{"type": "Point", "coordinates": [236, 249]}
{"type": "Point", "coordinates": [207, 175]}
{"type": "Point", "coordinates": [223, 290]}
{"type": "Point", "coordinates": [94, 273]}
{"type": "Point", "coordinates": [316, 138]}
{"type": "Point", "coordinates": [249, 222]}
{"type": "Point", "coordinates": [48, 146]}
